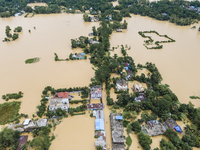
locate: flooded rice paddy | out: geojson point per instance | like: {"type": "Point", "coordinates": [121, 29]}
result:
{"type": "Point", "coordinates": [178, 63]}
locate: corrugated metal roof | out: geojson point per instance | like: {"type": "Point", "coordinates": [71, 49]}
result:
{"type": "Point", "coordinates": [26, 122]}
{"type": "Point", "coordinates": [99, 124]}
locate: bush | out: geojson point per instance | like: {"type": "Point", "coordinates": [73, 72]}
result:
{"type": "Point", "coordinates": [136, 127]}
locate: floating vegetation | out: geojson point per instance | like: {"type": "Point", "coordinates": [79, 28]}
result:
{"type": "Point", "coordinates": [32, 60]}
{"type": "Point", "coordinates": [194, 97]}
{"type": "Point", "coordinates": [151, 41]}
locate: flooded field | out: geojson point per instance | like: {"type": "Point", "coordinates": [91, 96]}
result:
{"type": "Point", "coordinates": [75, 133]}
{"type": "Point", "coordinates": [178, 63]}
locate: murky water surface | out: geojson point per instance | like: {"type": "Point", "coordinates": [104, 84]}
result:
{"type": "Point", "coordinates": [178, 63]}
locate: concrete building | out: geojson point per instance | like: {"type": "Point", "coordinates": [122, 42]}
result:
{"type": "Point", "coordinates": [117, 131]}
{"type": "Point", "coordinates": [95, 92]}
{"type": "Point", "coordinates": [138, 88]}
{"type": "Point", "coordinates": [154, 127]}
{"type": "Point", "coordinates": [28, 125]}
{"type": "Point", "coordinates": [60, 100]}
{"type": "Point", "coordinates": [121, 85]}
{"type": "Point", "coordinates": [95, 106]}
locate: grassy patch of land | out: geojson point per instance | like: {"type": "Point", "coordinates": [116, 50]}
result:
{"type": "Point", "coordinates": [9, 112]}
{"type": "Point", "coordinates": [32, 60]}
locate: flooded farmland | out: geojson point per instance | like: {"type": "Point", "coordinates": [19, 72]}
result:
{"type": "Point", "coordinates": [177, 62]}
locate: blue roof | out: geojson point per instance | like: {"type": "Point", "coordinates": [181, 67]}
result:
{"type": "Point", "coordinates": [82, 53]}
{"type": "Point", "coordinates": [119, 117]}
{"type": "Point", "coordinates": [99, 124]}
{"type": "Point", "coordinates": [177, 128]}
{"type": "Point", "coordinates": [126, 68]}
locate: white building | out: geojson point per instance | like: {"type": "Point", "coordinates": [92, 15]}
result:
{"type": "Point", "coordinates": [56, 103]}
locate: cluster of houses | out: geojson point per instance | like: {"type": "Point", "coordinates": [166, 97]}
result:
{"type": "Point", "coordinates": [28, 125]}
{"type": "Point", "coordinates": [94, 18]}
{"type": "Point", "coordinates": [127, 67]}
{"type": "Point", "coordinates": [140, 89]}
{"type": "Point", "coordinates": [96, 93]}
{"type": "Point", "coordinates": [79, 56]}
{"type": "Point", "coordinates": [196, 9]}
{"type": "Point", "coordinates": [117, 131]}
{"type": "Point", "coordinates": [99, 124]}
{"type": "Point", "coordinates": [154, 127]}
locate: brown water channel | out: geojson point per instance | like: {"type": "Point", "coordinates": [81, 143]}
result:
{"type": "Point", "coordinates": [178, 63]}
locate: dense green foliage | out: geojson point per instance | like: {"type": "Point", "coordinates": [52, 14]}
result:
{"type": "Point", "coordinates": [174, 11]}
{"type": "Point", "coordinates": [42, 140]}
{"type": "Point", "coordinates": [9, 139]}
{"type": "Point", "coordinates": [144, 141]}
{"type": "Point", "coordinates": [18, 29]}
{"type": "Point", "coordinates": [136, 127]}
{"type": "Point", "coordinates": [12, 96]}
{"type": "Point", "coordinates": [72, 111]}
{"type": "Point", "coordinates": [128, 141]}
{"type": "Point", "coordinates": [167, 145]}
{"type": "Point", "coordinates": [42, 108]}
{"type": "Point", "coordinates": [15, 36]}
{"type": "Point", "coordinates": [9, 112]}
{"type": "Point", "coordinates": [178, 143]}
{"type": "Point", "coordinates": [32, 60]}
{"type": "Point", "coordinates": [99, 148]}
{"type": "Point", "coordinates": [194, 97]}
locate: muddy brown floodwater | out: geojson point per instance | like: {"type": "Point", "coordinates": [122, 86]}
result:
{"type": "Point", "coordinates": [178, 63]}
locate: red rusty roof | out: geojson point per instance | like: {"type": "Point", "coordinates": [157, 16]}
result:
{"type": "Point", "coordinates": [95, 106]}
{"type": "Point", "coordinates": [22, 141]}
{"type": "Point", "coordinates": [62, 95]}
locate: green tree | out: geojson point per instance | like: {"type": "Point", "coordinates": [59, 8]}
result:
{"type": "Point", "coordinates": [145, 141]}
{"type": "Point", "coordinates": [28, 9]}
{"type": "Point", "coordinates": [15, 36]}
{"type": "Point", "coordinates": [99, 148]}
{"type": "Point", "coordinates": [136, 127]}
{"type": "Point", "coordinates": [9, 138]}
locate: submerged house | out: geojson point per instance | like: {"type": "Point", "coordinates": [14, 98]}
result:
{"type": "Point", "coordinates": [79, 56]}
{"type": "Point", "coordinates": [101, 140]}
{"type": "Point", "coordinates": [28, 125]}
{"type": "Point", "coordinates": [140, 98]}
{"type": "Point", "coordinates": [95, 92]}
{"type": "Point", "coordinates": [117, 131]}
{"type": "Point", "coordinates": [22, 141]}
{"type": "Point", "coordinates": [121, 85]}
{"type": "Point", "coordinates": [60, 100]}
{"type": "Point", "coordinates": [154, 127]}
{"type": "Point", "coordinates": [95, 106]}
{"type": "Point", "coordinates": [138, 88]}
{"type": "Point", "coordinates": [118, 30]}
{"type": "Point", "coordinates": [171, 124]}
{"type": "Point", "coordinates": [91, 41]}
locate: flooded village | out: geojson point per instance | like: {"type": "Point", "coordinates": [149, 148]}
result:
{"type": "Point", "coordinates": [99, 124]}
